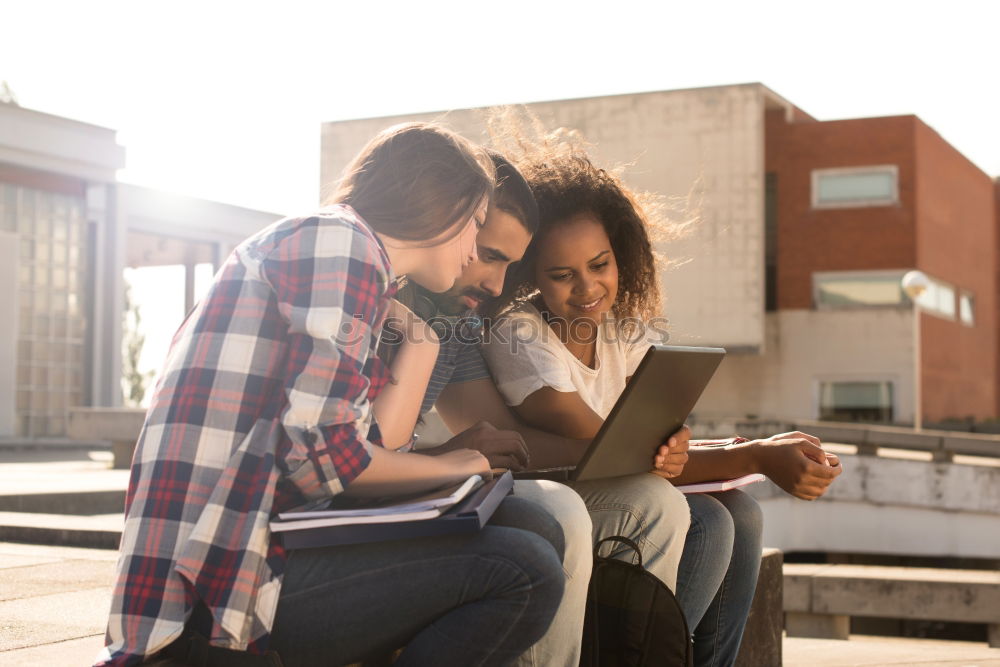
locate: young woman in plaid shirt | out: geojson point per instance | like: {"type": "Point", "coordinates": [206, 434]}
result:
{"type": "Point", "coordinates": [272, 398]}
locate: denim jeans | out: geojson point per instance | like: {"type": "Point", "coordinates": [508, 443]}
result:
{"type": "Point", "coordinates": [718, 573]}
{"type": "Point", "coordinates": [646, 508]}
{"type": "Point", "coordinates": [560, 647]}
{"type": "Point", "coordinates": [480, 599]}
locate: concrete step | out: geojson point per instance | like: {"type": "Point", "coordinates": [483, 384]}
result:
{"type": "Point", "coordinates": [820, 599]}
{"type": "Point", "coordinates": [868, 651]}
{"type": "Point", "coordinates": [80, 503]}
{"type": "Point", "coordinates": [101, 531]}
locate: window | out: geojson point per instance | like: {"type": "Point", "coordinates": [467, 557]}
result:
{"type": "Point", "coordinates": [858, 289]}
{"type": "Point", "coordinates": [52, 300]}
{"type": "Point", "coordinates": [882, 289]}
{"type": "Point", "coordinates": [967, 309]}
{"type": "Point", "coordinates": [855, 186]}
{"type": "Point", "coordinates": [864, 401]}
{"type": "Point", "coordinates": [939, 299]}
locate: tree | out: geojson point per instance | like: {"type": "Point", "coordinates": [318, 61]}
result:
{"type": "Point", "coordinates": [134, 381]}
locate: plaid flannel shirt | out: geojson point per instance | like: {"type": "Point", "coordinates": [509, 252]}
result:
{"type": "Point", "coordinates": [264, 404]}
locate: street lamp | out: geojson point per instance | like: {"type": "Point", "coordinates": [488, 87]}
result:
{"type": "Point", "coordinates": [915, 283]}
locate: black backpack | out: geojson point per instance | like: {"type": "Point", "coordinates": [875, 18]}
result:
{"type": "Point", "coordinates": [632, 618]}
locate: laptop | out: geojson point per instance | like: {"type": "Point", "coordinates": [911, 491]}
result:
{"type": "Point", "coordinates": [654, 405]}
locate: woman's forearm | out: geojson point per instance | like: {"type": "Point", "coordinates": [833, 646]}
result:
{"type": "Point", "coordinates": [707, 464]}
{"type": "Point", "coordinates": [399, 473]}
{"type": "Point", "coordinates": [397, 407]}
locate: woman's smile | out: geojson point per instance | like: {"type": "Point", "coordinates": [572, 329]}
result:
{"type": "Point", "coordinates": [589, 306]}
{"type": "Point", "coordinates": [576, 272]}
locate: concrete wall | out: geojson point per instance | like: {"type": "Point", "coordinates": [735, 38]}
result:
{"type": "Point", "coordinates": [708, 141]}
{"type": "Point", "coordinates": [9, 250]}
{"type": "Point", "coordinates": [36, 140]}
{"type": "Point", "coordinates": [891, 506]}
{"type": "Point", "coordinates": [178, 216]}
{"type": "Point", "coordinates": [957, 242]}
{"type": "Point", "coordinates": [807, 347]}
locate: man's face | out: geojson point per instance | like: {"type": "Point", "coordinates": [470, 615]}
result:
{"type": "Point", "coordinates": [499, 244]}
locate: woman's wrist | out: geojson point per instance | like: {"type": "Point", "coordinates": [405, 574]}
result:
{"type": "Point", "coordinates": [754, 451]}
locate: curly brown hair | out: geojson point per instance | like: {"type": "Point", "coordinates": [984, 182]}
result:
{"type": "Point", "coordinates": [566, 183]}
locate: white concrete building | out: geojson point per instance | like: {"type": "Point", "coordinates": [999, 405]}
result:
{"type": "Point", "coordinates": [705, 146]}
{"type": "Point", "coordinates": [67, 231]}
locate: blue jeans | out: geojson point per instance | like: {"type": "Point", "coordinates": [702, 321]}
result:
{"type": "Point", "coordinates": [479, 599]}
{"type": "Point", "coordinates": [560, 647]}
{"type": "Point", "coordinates": [718, 573]}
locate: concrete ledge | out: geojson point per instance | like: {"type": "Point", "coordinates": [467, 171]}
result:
{"type": "Point", "coordinates": [105, 423]}
{"type": "Point", "coordinates": [95, 532]}
{"type": "Point", "coordinates": [847, 433]}
{"type": "Point", "coordinates": [51, 444]}
{"type": "Point", "coordinates": [78, 503]}
{"type": "Point", "coordinates": [762, 636]}
{"type": "Point", "coordinates": [119, 425]}
{"type": "Point", "coordinates": [869, 437]}
{"type": "Point", "coordinates": [905, 438]}
{"type": "Point", "coordinates": [972, 444]}
{"type": "Point", "coordinates": [818, 626]}
{"type": "Point", "coordinates": [821, 598]}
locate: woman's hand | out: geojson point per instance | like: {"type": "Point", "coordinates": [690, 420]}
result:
{"type": "Point", "coordinates": [797, 463]}
{"type": "Point", "coordinates": [392, 473]}
{"type": "Point", "coordinates": [503, 448]}
{"type": "Point", "coordinates": [670, 457]}
{"type": "Point", "coordinates": [468, 462]}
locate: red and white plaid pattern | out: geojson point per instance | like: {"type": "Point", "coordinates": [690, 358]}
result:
{"type": "Point", "coordinates": [264, 404]}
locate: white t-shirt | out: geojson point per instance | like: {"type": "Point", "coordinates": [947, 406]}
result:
{"type": "Point", "coordinates": [525, 354]}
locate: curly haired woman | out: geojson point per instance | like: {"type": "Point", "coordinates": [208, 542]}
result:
{"type": "Point", "coordinates": [577, 317]}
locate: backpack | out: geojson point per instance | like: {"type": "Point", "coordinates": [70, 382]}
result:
{"type": "Point", "coordinates": [632, 618]}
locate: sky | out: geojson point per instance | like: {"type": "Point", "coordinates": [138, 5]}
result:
{"type": "Point", "coordinates": [224, 100]}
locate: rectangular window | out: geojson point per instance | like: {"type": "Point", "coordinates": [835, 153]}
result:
{"type": "Point", "coordinates": [967, 309]}
{"type": "Point", "coordinates": [855, 186]}
{"type": "Point", "coordinates": [938, 299]}
{"type": "Point", "coordinates": [858, 289]}
{"type": "Point", "coordinates": [53, 319]}
{"type": "Point", "coordinates": [856, 401]}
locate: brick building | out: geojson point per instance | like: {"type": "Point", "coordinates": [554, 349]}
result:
{"type": "Point", "coordinates": [806, 229]}
{"type": "Point", "coordinates": [860, 201]}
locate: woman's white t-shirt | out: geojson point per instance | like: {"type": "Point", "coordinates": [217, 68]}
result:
{"type": "Point", "coordinates": [525, 354]}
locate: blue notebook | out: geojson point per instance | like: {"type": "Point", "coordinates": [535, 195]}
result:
{"type": "Point", "coordinates": [467, 516]}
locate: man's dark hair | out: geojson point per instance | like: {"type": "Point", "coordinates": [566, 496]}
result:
{"type": "Point", "coordinates": [512, 194]}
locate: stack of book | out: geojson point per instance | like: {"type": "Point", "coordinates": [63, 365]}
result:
{"type": "Point", "coordinates": [461, 509]}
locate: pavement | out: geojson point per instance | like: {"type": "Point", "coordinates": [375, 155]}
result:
{"type": "Point", "coordinates": [54, 598]}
